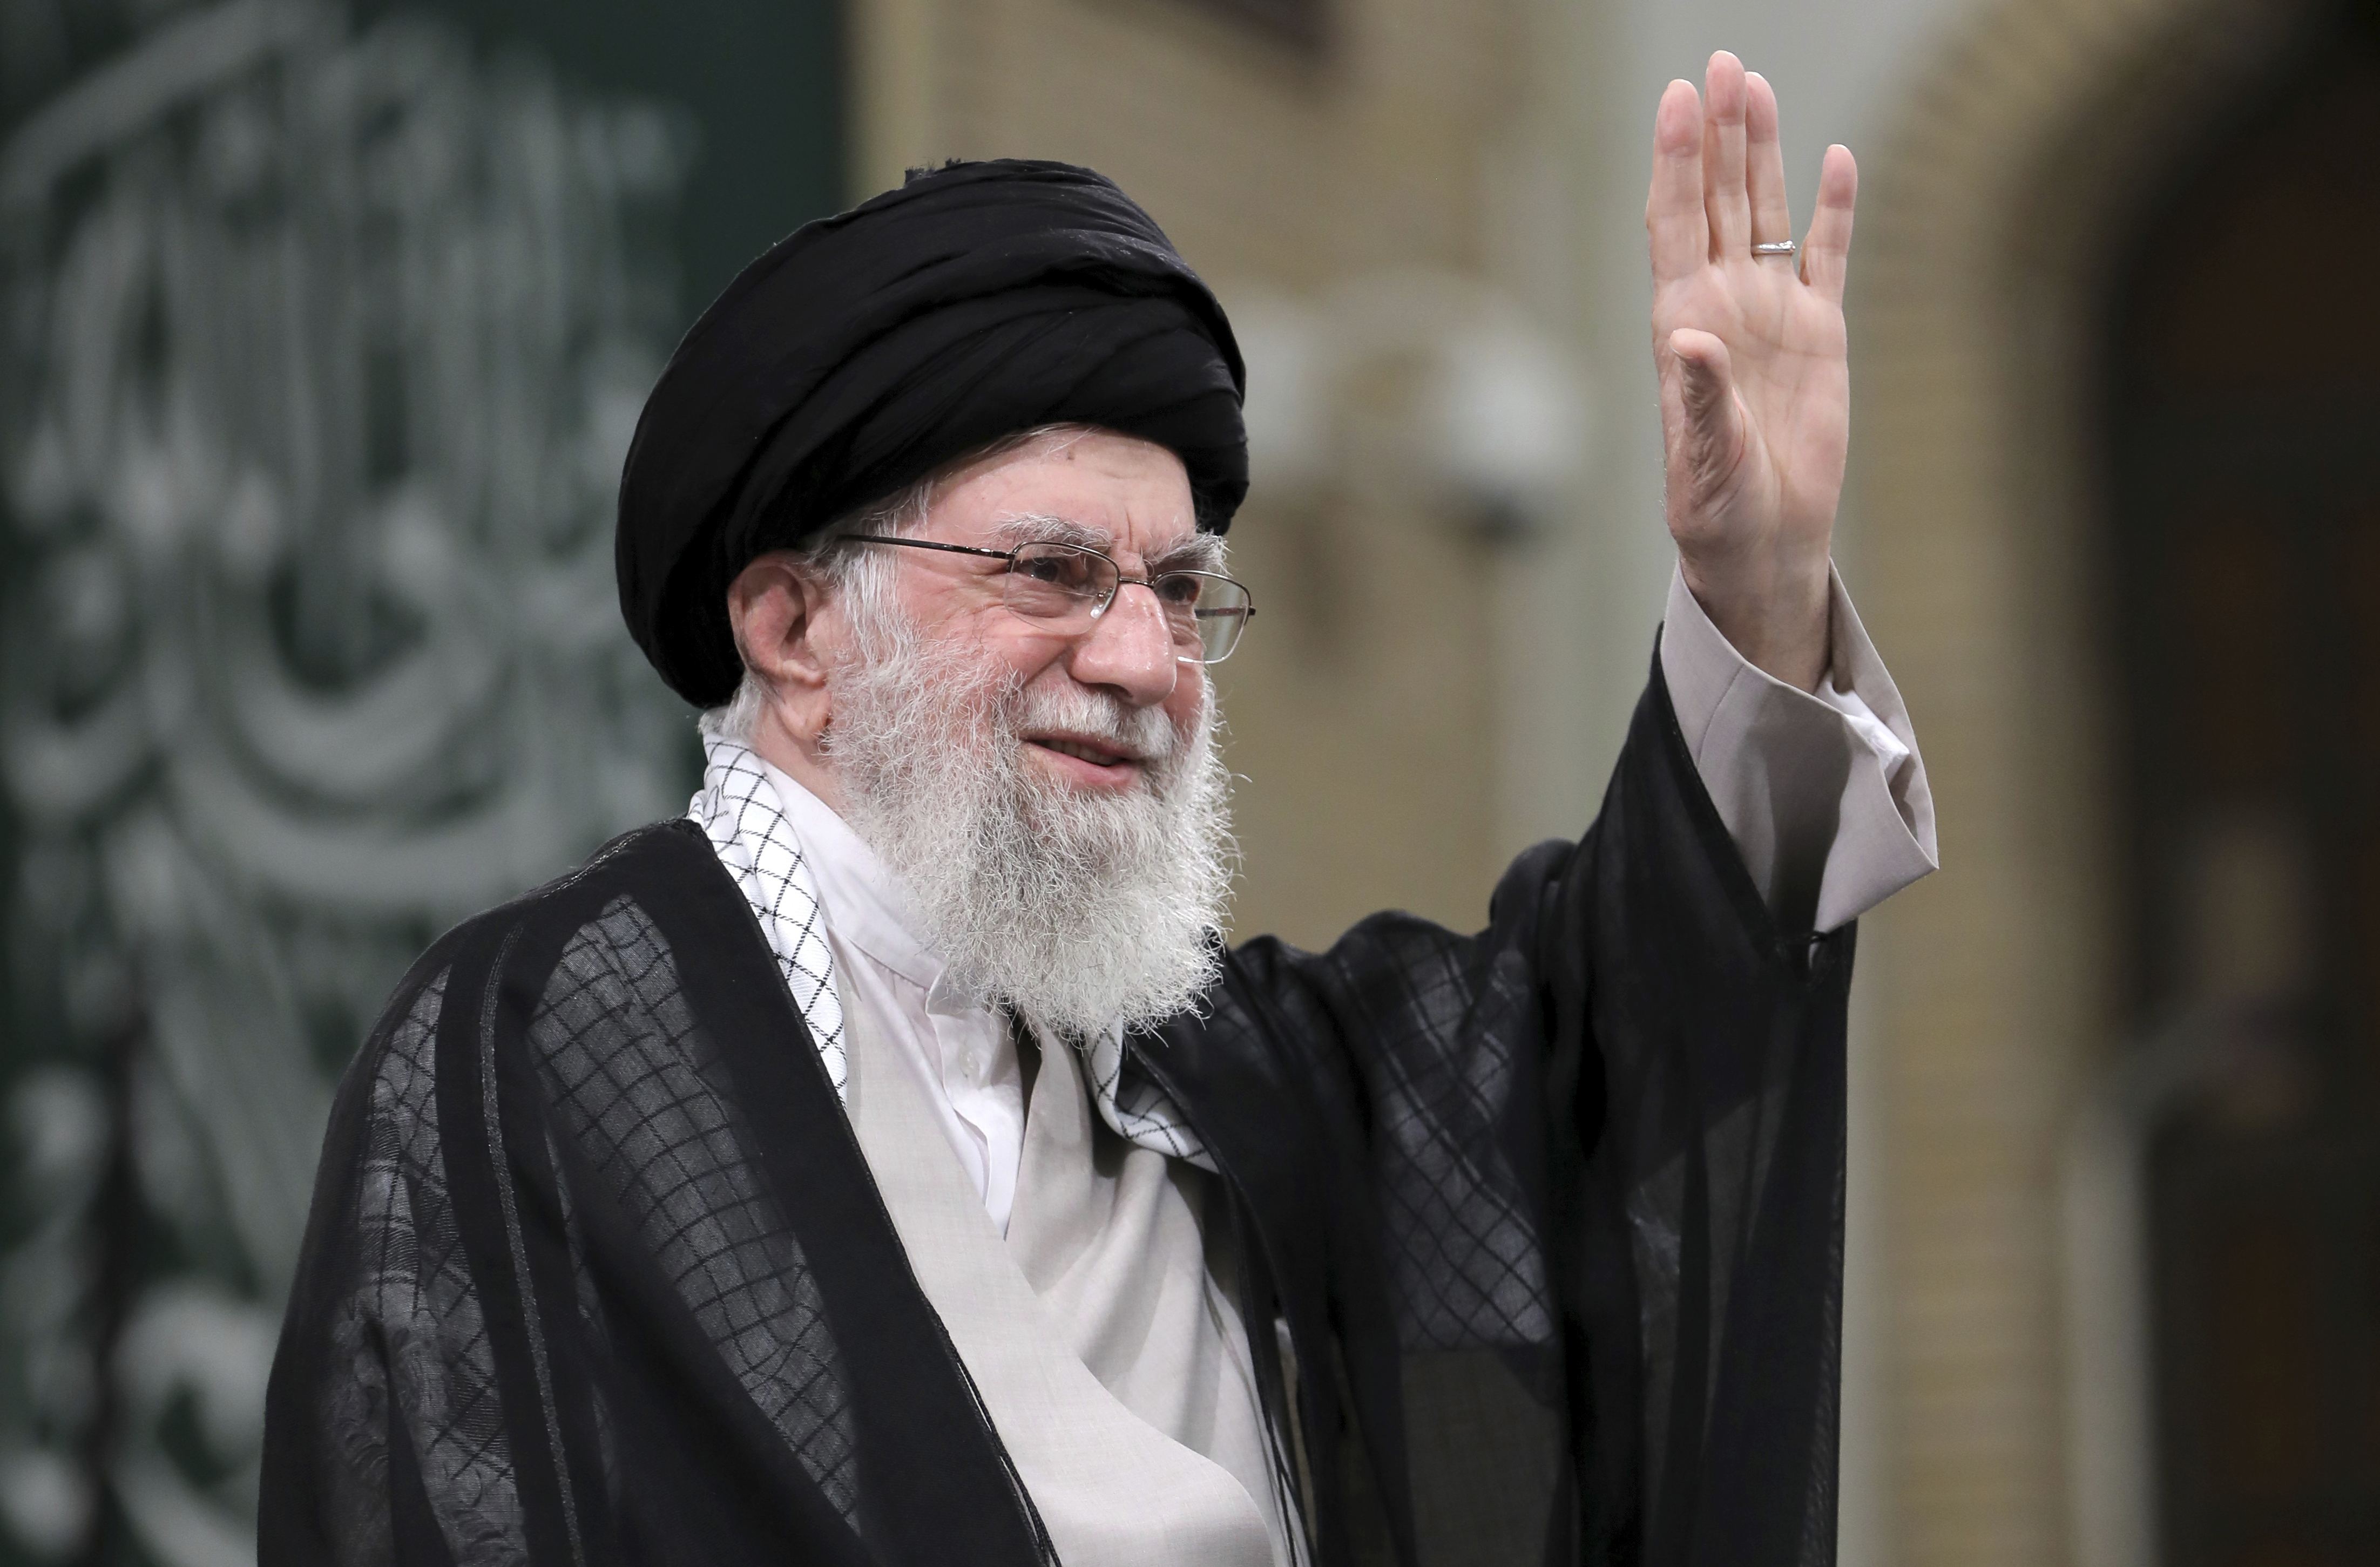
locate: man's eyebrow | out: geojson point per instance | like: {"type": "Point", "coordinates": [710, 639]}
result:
{"type": "Point", "coordinates": [1199, 551]}
{"type": "Point", "coordinates": [1041, 527]}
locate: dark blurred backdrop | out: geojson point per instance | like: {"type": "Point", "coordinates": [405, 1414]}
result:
{"type": "Point", "coordinates": [324, 331]}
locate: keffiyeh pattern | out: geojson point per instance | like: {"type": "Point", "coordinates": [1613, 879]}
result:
{"type": "Point", "coordinates": [737, 810]}
{"type": "Point", "coordinates": [1136, 1108]}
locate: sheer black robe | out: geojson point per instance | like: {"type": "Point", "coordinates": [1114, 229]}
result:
{"type": "Point", "coordinates": [1548, 1220]}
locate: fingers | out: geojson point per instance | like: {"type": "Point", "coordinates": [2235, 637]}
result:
{"type": "Point", "coordinates": [1718, 181]}
{"type": "Point", "coordinates": [1673, 213]}
{"type": "Point", "coordinates": [1772, 213]}
{"type": "Point", "coordinates": [1726, 198]}
{"type": "Point", "coordinates": [1826, 255]}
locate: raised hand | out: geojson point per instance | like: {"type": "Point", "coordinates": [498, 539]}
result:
{"type": "Point", "coordinates": [1756, 388]}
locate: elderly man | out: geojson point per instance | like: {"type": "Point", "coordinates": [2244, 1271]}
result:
{"type": "Point", "coordinates": [888, 1164]}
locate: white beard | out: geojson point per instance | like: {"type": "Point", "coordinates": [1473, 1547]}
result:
{"type": "Point", "coordinates": [1075, 910]}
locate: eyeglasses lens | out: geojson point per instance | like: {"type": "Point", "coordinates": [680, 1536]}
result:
{"type": "Point", "coordinates": [1067, 588]}
{"type": "Point", "coordinates": [1063, 586]}
{"type": "Point", "coordinates": [1220, 614]}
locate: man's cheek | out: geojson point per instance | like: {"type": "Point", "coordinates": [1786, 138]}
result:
{"type": "Point", "coordinates": [1189, 706]}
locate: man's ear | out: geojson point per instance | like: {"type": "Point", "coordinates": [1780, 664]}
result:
{"type": "Point", "coordinates": [776, 608]}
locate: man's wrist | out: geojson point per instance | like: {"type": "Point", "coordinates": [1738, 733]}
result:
{"type": "Point", "coordinates": [1777, 620]}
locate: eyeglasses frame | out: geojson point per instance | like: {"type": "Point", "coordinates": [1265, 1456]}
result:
{"type": "Point", "coordinates": [1122, 581]}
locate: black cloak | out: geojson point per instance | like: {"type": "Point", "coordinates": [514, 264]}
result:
{"type": "Point", "coordinates": [870, 347]}
{"type": "Point", "coordinates": [1550, 1217]}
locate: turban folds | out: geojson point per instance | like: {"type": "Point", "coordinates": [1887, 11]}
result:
{"type": "Point", "coordinates": [869, 348]}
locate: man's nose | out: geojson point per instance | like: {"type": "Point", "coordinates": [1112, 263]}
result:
{"type": "Point", "coordinates": [1129, 649]}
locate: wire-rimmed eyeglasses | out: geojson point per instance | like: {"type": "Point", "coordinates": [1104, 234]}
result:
{"type": "Point", "coordinates": [1069, 586]}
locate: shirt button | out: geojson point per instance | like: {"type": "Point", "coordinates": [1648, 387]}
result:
{"type": "Point", "coordinates": [972, 1063]}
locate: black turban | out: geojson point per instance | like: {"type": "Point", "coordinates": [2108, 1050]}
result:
{"type": "Point", "coordinates": [869, 348]}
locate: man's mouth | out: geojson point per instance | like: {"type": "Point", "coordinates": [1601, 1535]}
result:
{"type": "Point", "coordinates": [1091, 752]}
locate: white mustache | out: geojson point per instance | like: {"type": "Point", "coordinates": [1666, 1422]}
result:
{"type": "Point", "coordinates": [1146, 733]}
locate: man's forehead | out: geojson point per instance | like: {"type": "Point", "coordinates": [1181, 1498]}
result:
{"type": "Point", "coordinates": [1094, 488]}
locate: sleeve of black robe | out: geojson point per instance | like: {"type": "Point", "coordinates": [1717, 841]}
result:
{"type": "Point", "coordinates": [1583, 1257]}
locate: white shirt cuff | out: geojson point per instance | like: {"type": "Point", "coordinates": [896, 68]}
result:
{"type": "Point", "coordinates": [1825, 795]}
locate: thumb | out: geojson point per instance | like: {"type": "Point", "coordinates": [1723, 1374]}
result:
{"type": "Point", "coordinates": [1701, 422]}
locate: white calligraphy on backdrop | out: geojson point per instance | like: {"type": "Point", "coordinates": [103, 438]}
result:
{"type": "Point", "coordinates": [319, 355]}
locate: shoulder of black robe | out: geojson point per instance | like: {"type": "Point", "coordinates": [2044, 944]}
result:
{"type": "Point", "coordinates": [596, 1274]}
{"type": "Point", "coordinates": [1553, 1212]}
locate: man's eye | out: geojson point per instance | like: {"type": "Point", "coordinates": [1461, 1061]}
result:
{"type": "Point", "coordinates": [1179, 591]}
{"type": "Point", "coordinates": [1067, 571]}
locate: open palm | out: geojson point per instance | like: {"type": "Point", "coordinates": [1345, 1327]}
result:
{"type": "Point", "coordinates": [1755, 387]}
